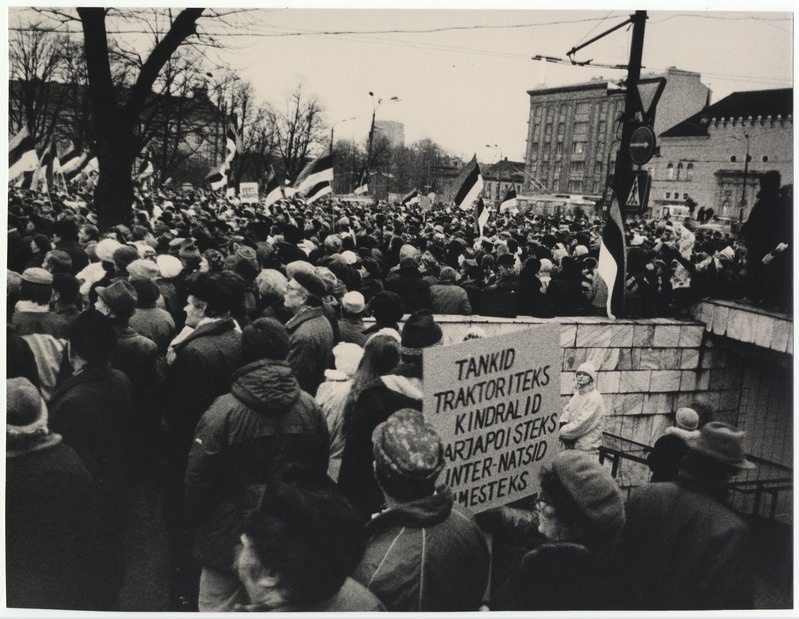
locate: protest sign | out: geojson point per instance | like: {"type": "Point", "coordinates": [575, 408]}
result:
{"type": "Point", "coordinates": [495, 402]}
{"type": "Point", "coordinates": [248, 193]}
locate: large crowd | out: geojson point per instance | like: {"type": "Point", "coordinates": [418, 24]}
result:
{"type": "Point", "coordinates": [221, 348]}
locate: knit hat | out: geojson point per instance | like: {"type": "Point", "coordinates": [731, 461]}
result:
{"type": "Point", "coordinates": [593, 490]}
{"type": "Point", "coordinates": [580, 250]}
{"type": "Point", "coordinates": [37, 275]}
{"type": "Point", "coordinates": [350, 257]}
{"type": "Point", "coordinates": [147, 292]}
{"type": "Point", "coordinates": [143, 269]}
{"type": "Point", "coordinates": [105, 249]}
{"type": "Point", "coordinates": [588, 368]}
{"type": "Point", "coordinates": [244, 252]}
{"type": "Point", "coordinates": [311, 282]}
{"type": "Point", "coordinates": [353, 302]}
{"type": "Point", "coordinates": [347, 356]}
{"type": "Point", "coordinates": [687, 418]}
{"type": "Point", "coordinates": [120, 296]}
{"type": "Point", "coordinates": [420, 331]}
{"type": "Point", "coordinates": [189, 251]}
{"type": "Point", "coordinates": [26, 412]}
{"type": "Point", "coordinates": [299, 265]}
{"type": "Point", "coordinates": [406, 445]}
{"type": "Point", "coordinates": [720, 442]}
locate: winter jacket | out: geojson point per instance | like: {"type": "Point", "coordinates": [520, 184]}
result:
{"type": "Point", "coordinates": [351, 330]}
{"type": "Point", "coordinates": [156, 324]}
{"type": "Point", "coordinates": [310, 347]}
{"type": "Point", "coordinates": [204, 363]}
{"type": "Point", "coordinates": [425, 555]}
{"type": "Point", "coordinates": [265, 420]}
{"type": "Point", "coordinates": [665, 458]}
{"type": "Point", "coordinates": [375, 404]}
{"type": "Point", "coordinates": [583, 421]}
{"type": "Point", "coordinates": [411, 288]}
{"type": "Point", "coordinates": [331, 397]}
{"type": "Point", "coordinates": [684, 549]}
{"type": "Point", "coordinates": [50, 323]}
{"type": "Point", "coordinates": [450, 298]}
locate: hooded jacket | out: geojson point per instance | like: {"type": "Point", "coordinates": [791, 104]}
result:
{"type": "Point", "coordinates": [265, 420]}
{"type": "Point", "coordinates": [379, 399]}
{"type": "Point", "coordinates": [425, 555]}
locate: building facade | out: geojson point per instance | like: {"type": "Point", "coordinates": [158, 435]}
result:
{"type": "Point", "coordinates": [704, 157]}
{"type": "Point", "coordinates": [499, 177]}
{"type": "Point", "coordinates": [573, 131]}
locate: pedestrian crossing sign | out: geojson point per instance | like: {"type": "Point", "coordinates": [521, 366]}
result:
{"type": "Point", "coordinates": [639, 193]}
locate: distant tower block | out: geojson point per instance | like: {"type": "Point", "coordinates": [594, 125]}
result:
{"type": "Point", "coordinates": [393, 131]}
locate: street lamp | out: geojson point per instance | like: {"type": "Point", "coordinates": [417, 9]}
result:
{"type": "Point", "coordinates": [747, 159]}
{"type": "Point", "coordinates": [375, 105]}
{"type": "Point", "coordinates": [333, 126]}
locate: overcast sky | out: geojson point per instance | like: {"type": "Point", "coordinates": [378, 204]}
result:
{"type": "Point", "coordinates": [463, 82]}
{"type": "Point", "coordinates": [462, 74]}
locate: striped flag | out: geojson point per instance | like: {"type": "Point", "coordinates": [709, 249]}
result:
{"type": "Point", "coordinates": [217, 177]}
{"type": "Point", "coordinates": [83, 166]}
{"type": "Point", "coordinates": [22, 156]}
{"type": "Point", "coordinates": [317, 191]}
{"type": "Point", "coordinates": [470, 183]}
{"type": "Point", "coordinates": [145, 168]}
{"type": "Point", "coordinates": [25, 180]}
{"type": "Point", "coordinates": [613, 260]}
{"type": "Point", "coordinates": [317, 171]}
{"type": "Point", "coordinates": [363, 183]}
{"type": "Point", "coordinates": [509, 202]}
{"type": "Point", "coordinates": [272, 190]}
{"type": "Point", "coordinates": [47, 163]}
{"type": "Point", "coordinates": [411, 198]}
{"type": "Point", "coordinates": [232, 139]}
{"type": "Point", "coordinates": [70, 159]}
{"type": "Point", "coordinates": [481, 214]}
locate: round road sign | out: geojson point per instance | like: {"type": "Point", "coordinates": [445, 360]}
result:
{"type": "Point", "coordinates": [642, 145]}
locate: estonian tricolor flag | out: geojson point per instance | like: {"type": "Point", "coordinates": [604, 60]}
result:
{"type": "Point", "coordinates": [411, 198]}
{"type": "Point", "coordinates": [316, 172]}
{"type": "Point", "coordinates": [217, 177]}
{"type": "Point", "coordinates": [22, 156]}
{"type": "Point", "coordinates": [363, 183]}
{"type": "Point", "coordinates": [612, 264]}
{"type": "Point", "coordinates": [470, 183]}
{"type": "Point", "coordinates": [481, 214]}
{"type": "Point", "coordinates": [317, 191]}
{"type": "Point", "coordinates": [273, 192]}
{"type": "Point", "coordinates": [509, 201]}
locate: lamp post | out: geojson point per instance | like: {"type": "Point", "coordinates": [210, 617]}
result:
{"type": "Point", "coordinates": [499, 165]}
{"type": "Point", "coordinates": [375, 105]}
{"type": "Point", "coordinates": [747, 159]}
{"type": "Point", "coordinates": [333, 127]}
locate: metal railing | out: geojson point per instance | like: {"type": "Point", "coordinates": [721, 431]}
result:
{"type": "Point", "coordinates": [768, 497]}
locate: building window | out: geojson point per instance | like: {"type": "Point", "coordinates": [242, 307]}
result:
{"type": "Point", "coordinates": [580, 128]}
{"type": "Point", "coordinates": [558, 150]}
{"type": "Point", "coordinates": [679, 171]}
{"type": "Point", "coordinates": [561, 129]}
{"type": "Point", "coordinates": [670, 171]}
{"type": "Point", "coordinates": [668, 195]}
{"type": "Point", "coordinates": [548, 131]}
{"type": "Point", "coordinates": [550, 112]}
{"type": "Point", "coordinates": [536, 130]}
{"type": "Point", "coordinates": [603, 127]}
{"type": "Point", "coordinates": [689, 172]}
{"type": "Point", "coordinates": [575, 186]}
{"type": "Point", "coordinates": [545, 170]}
{"type": "Point", "coordinates": [595, 187]}
{"type": "Point", "coordinates": [578, 147]}
{"type": "Point", "coordinates": [545, 154]}
{"type": "Point", "coordinates": [537, 111]}
{"type": "Point", "coordinates": [557, 169]}
{"type": "Point", "coordinates": [582, 108]}
{"type": "Point", "coordinates": [577, 168]}
{"type": "Point", "coordinates": [533, 169]}
{"type": "Point", "coordinates": [598, 168]}
{"type": "Point", "coordinates": [685, 196]}
{"type": "Point", "coordinates": [563, 109]}
{"type": "Point", "coordinates": [534, 151]}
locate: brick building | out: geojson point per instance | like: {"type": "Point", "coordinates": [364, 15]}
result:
{"type": "Point", "coordinates": [572, 130]}
{"type": "Point", "coordinates": [499, 177]}
{"type": "Point", "coordinates": [704, 156]}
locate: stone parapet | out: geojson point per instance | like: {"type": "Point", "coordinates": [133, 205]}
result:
{"type": "Point", "coordinates": [746, 323]}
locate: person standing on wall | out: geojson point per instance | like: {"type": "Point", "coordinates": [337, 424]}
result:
{"type": "Point", "coordinates": [583, 419]}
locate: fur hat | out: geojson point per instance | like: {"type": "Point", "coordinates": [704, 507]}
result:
{"type": "Point", "coordinates": [105, 249]}
{"type": "Point", "coordinates": [143, 269]}
{"type": "Point", "coordinates": [407, 445]}
{"type": "Point", "coordinates": [347, 356]}
{"type": "Point", "coordinates": [169, 266]}
{"type": "Point", "coordinates": [123, 256]}
{"type": "Point", "coordinates": [420, 331]}
{"type": "Point", "coordinates": [720, 442]}
{"type": "Point", "coordinates": [594, 491]}
{"type": "Point", "coordinates": [311, 282]}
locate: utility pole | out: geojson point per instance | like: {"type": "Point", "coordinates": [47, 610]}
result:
{"type": "Point", "coordinates": [623, 175]}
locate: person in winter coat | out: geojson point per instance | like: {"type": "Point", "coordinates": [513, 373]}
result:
{"type": "Point", "coordinates": [51, 518]}
{"type": "Point", "coordinates": [425, 552]}
{"type": "Point", "coordinates": [350, 325]}
{"type": "Point", "coordinates": [580, 514]}
{"type": "Point", "coordinates": [668, 451]}
{"type": "Point", "coordinates": [93, 411]}
{"type": "Point", "coordinates": [583, 418]}
{"type": "Point", "coordinates": [447, 296]}
{"type": "Point", "coordinates": [300, 543]}
{"type": "Point", "coordinates": [682, 547]}
{"type": "Point", "coordinates": [266, 420]}
{"type": "Point", "coordinates": [332, 396]}
{"type": "Point", "coordinates": [310, 332]}
{"type": "Point", "coordinates": [402, 388]}
{"type": "Point", "coordinates": [409, 285]}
